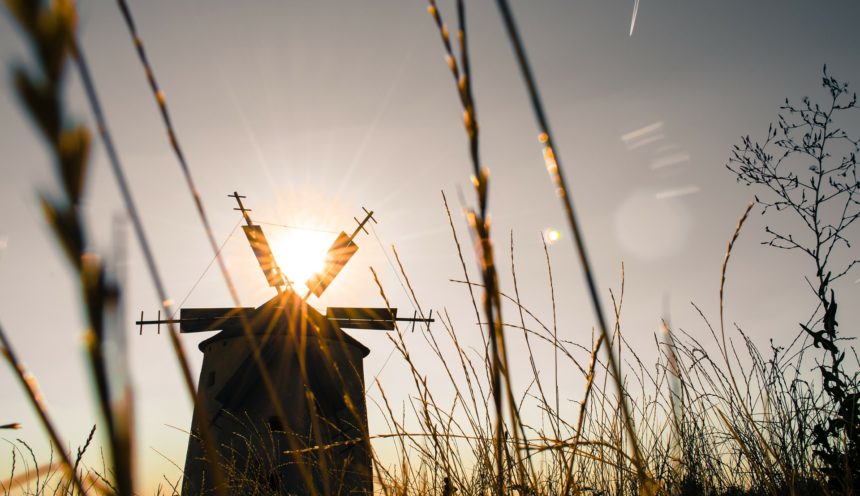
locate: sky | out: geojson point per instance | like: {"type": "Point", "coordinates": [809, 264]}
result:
{"type": "Point", "coordinates": [315, 109]}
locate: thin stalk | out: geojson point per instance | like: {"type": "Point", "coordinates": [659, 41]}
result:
{"type": "Point", "coordinates": [553, 163]}
{"type": "Point", "coordinates": [164, 112]}
{"type": "Point", "coordinates": [27, 382]}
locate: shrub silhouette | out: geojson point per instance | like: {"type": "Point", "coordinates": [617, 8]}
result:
{"type": "Point", "coordinates": [807, 166]}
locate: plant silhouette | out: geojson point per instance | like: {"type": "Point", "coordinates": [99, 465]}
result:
{"type": "Point", "coordinates": [807, 166]}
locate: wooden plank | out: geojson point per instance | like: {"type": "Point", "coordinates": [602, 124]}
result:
{"type": "Point", "coordinates": [363, 318]}
{"type": "Point", "coordinates": [338, 255]}
{"type": "Point", "coordinates": [263, 251]}
{"type": "Point", "coordinates": [207, 319]}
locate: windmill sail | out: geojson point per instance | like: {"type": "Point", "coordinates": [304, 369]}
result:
{"type": "Point", "coordinates": [210, 319]}
{"type": "Point", "coordinates": [264, 255]}
{"type": "Point", "coordinates": [381, 319]}
{"type": "Point", "coordinates": [338, 255]}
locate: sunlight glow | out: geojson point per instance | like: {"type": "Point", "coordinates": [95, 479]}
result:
{"type": "Point", "coordinates": [300, 253]}
{"type": "Point", "coordinates": [552, 235]}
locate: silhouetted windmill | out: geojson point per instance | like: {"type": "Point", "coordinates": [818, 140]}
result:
{"type": "Point", "coordinates": [316, 370]}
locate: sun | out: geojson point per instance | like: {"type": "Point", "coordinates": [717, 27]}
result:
{"type": "Point", "coordinates": [301, 253]}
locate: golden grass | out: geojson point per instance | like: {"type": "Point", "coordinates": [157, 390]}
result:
{"type": "Point", "coordinates": [685, 424]}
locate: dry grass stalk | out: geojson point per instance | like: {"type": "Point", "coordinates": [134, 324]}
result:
{"type": "Point", "coordinates": [51, 30]}
{"type": "Point", "coordinates": [556, 172]}
{"type": "Point", "coordinates": [479, 221]}
{"type": "Point", "coordinates": [34, 395]}
{"type": "Point", "coordinates": [173, 138]}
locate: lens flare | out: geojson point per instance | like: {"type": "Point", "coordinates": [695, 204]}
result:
{"type": "Point", "coordinates": [300, 253]}
{"type": "Point", "coordinates": [551, 235]}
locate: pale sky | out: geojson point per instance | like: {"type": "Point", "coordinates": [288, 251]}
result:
{"type": "Point", "coordinates": [313, 109]}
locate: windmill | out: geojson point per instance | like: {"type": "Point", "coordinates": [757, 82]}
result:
{"type": "Point", "coordinates": [307, 433]}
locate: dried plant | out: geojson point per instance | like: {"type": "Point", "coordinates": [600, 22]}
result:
{"type": "Point", "coordinates": [710, 419]}
{"type": "Point", "coordinates": [480, 223]}
{"type": "Point", "coordinates": [554, 167]}
{"type": "Point", "coordinates": [807, 167]}
{"type": "Point", "coordinates": [51, 31]}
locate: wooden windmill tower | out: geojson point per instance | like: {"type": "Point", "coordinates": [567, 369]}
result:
{"type": "Point", "coordinates": [281, 388]}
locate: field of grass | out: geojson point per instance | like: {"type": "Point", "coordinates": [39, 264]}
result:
{"type": "Point", "coordinates": [718, 416]}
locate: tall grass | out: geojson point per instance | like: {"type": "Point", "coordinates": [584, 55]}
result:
{"type": "Point", "coordinates": [704, 416]}
{"type": "Point", "coordinates": [713, 416]}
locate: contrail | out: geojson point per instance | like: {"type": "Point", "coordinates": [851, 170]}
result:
{"type": "Point", "coordinates": [633, 20]}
